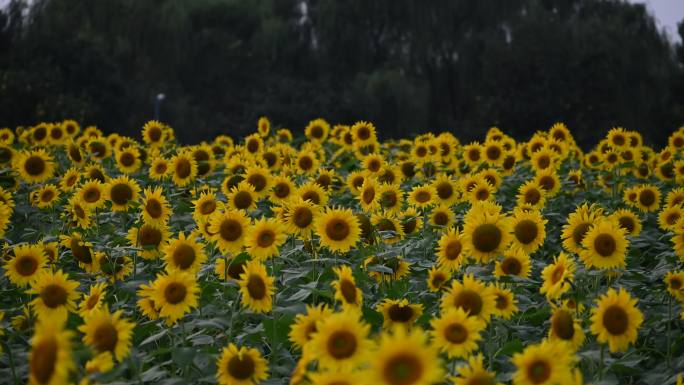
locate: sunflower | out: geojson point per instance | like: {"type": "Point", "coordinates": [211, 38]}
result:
{"type": "Point", "coordinates": [472, 154]}
{"type": "Point", "coordinates": [605, 246]}
{"type": "Point", "coordinates": [390, 198]}
{"type": "Point", "coordinates": [155, 207]}
{"type": "Point", "coordinates": [450, 250]}
{"type": "Point", "coordinates": [565, 328]}
{"type": "Point", "coordinates": [153, 133]}
{"type": "Point", "coordinates": [422, 196]}
{"type": "Point", "coordinates": [442, 217]}
{"type": "Point", "coordinates": [204, 157]}
{"type": "Point", "coordinates": [399, 312]}
{"type": "Point", "coordinates": [455, 333]}
{"type": "Point", "coordinates": [115, 268]}
{"type": "Point", "coordinates": [557, 276]}
{"type": "Point", "coordinates": [282, 189]}
{"type": "Point", "coordinates": [92, 300]}
{"type": "Point", "coordinates": [81, 250]}
{"type": "Point", "coordinates": [256, 287]}
{"type": "Point", "coordinates": [254, 144]}
{"type": "Point", "coordinates": [398, 268]}
{"type": "Point", "coordinates": [92, 194]}
{"type": "Point", "coordinates": [300, 217]}
{"type": "Point", "coordinates": [159, 168]}
{"type": "Point", "coordinates": [528, 230]}
{"type": "Point", "coordinates": [628, 220]}
{"type": "Point", "coordinates": [183, 168]}
{"type": "Point", "coordinates": [128, 160]}
{"type": "Point", "coordinates": [549, 181]}
{"type": "Point", "coordinates": [122, 192]}
{"type": "Point", "coordinates": [505, 302]}
{"type": "Point", "coordinates": [149, 238]}
{"type": "Point", "coordinates": [579, 223]}
{"type": "Point", "coordinates": [242, 197]}
{"type": "Point", "coordinates": [486, 232]}
{"type": "Point", "coordinates": [34, 166]}
{"type": "Point", "coordinates": [229, 230]}
{"type": "Point", "coordinates": [174, 294]}
{"type": "Point", "coordinates": [345, 288]}
{"type": "Point", "coordinates": [338, 228]}
{"type": "Point", "coordinates": [354, 181]}
{"type": "Point", "coordinates": [96, 172]}
{"type": "Point", "coordinates": [337, 377]}
{"type": "Point", "coordinates": [317, 130]}
{"type": "Point", "coordinates": [675, 197]}
{"type": "Point", "coordinates": [26, 264]}
{"type": "Point", "coordinates": [531, 195]}
{"type": "Point", "coordinates": [305, 325]}
{"type": "Point", "coordinates": [184, 254]}
{"type": "Point", "coordinates": [45, 197]}
{"type": "Point", "coordinates": [108, 332]}
{"type": "Point", "coordinates": [313, 192]}
{"type": "Point", "coordinates": [341, 341]}
{"type": "Point", "coordinates": [205, 206]}
{"type": "Point", "coordinates": [515, 262]}
{"type": "Point", "coordinates": [388, 227]}
{"type": "Point", "coordinates": [437, 278]}
{"type": "Point", "coordinates": [648, 198]}
{"type": "Point", "coordinates": [669, 216]}
{"type": "Point", "coordinates": [50, 360]}
{"type": "Point", "coordinates": [675, 284]}
{"type": "Point", "coordinates": [411, 222]}
{"type": "Point", "coordinates": [98, 148]}
{"type": "Point", "coordinates": [404, 358]}
{"type": "Point", "coordinates": [363, 133]}
{"type": "Point", "coordinates": [474, 373]}
{"type": "Point", "coordinates": [616, 319]}
{"type": "Point", "coordinates": [56, 296]}
{"type": "Point", "coordinates": [546, 363]}
{"type": "Point", "coordinates": [241, 366]}
{"type": "Point", "coordinates": [368, 194]}
{"type": "Point", "coordinates": [51, 250]}
{"type": "Point", "coordinates": [259, 178]}
{"type": "Point", "coordinates": [264, 238]}
{"type": "Point", "coordinates": [307, 162]}
{"type": "Point", "coordinates": [471, 295]}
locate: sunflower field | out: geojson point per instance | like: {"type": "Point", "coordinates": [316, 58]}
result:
{"type": "Point", "coordinates": [334, 258]}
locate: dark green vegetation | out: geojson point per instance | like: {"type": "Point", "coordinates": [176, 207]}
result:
{"type": "Point", "coordinates": [408, 66]}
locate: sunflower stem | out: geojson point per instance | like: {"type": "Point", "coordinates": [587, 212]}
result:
{"type": "Point", "coordinates": [669, 319]}
{"type": "Point", "coordinates": [600, 371]}
{"type": "Point", "coordinates": [7, 346]}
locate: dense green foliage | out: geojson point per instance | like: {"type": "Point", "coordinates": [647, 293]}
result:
{"type": "Point", "coordinates": [408, 66]}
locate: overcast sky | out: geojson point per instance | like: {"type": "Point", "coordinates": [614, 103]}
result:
{"type": "Point", "coordinates": [667, 12]}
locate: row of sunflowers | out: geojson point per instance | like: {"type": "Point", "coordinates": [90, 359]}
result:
{"type": "Point", "coordinates": [335, 258]}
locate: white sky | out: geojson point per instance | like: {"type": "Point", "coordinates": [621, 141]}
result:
{"type": "Point", "coordinates": [668, 13]}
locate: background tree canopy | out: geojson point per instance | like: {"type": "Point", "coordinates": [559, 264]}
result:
{"type": "Point", "coordinates": [408, 66]}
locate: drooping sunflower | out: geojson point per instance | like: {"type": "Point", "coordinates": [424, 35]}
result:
{"type": "Point", "coordinates": [338, 229]}
{"type": "Point", "coordinates": [486, 232]}
{"type": "Point", "coordinates": [422, 196]}
{"type": "Point", "coordinates": [341, 341]}
{"type": "Point", "coordinates": [306, 324]}
{"type": "Point", "coordinates": [122, 192]}
{"type": "Point", "coordinates": [149, 238]}
{"type": "Point", "coordinates": [92, 300]}
{"type": "Point", "coordinates": [616, 319]}
{"type": "Point", "coordinates": [546, 363]}
{"type": "Point", "coordinates": [108, 332]}
{"type": "Point", "coordinates": [174, 294]}
{"type": "Point", "coordinates": [471, 295]}
{"type": "Point", "coordinates": [628, 220]}
{"type": "Point", "coordinates": [155, 207]}
{"type": "Point", "coordinates": [50, 360]}
{"type": "Point", "coordinates": [241, 366]}
{"type": "Point", "coordinates": [184, 253]}
{"type": "Point", "coordinates": [183, 168]}
{"type": "Point", "coordinates": [256, 287]}
{"type": "Point", "coordinates": [399, 312]}
{"type": "Point", "coordinates": [474, 373]}
{"type": "Point", "coordinates": [450, 250]}
{"type": "Point", "coordinates": [605, 246]}
{"type": "Point", "coordinates": [27, 263]}
{"type": "Point", "coordinates": [505, 302]}
{"type": "Point", "coordinates": [565, 328]}
{"type": "Point", "coordinates": [229, 230]}
{"type": "Point", "coordinates": [557, 275]}
{"type": "Point", "coordinates": [515, 262]}
{"type": "Point", "coordinates": [404, 358]}
{"type": "Point", "coordinates": [34, 166]}
{"type": "Point", "coordinates": [648, 198]}
{"type": "Point", "coordinates": [242, 197]}
{"type": "Point", "coordinates": [528, 230]}
{"type": "Point", "coordinates": [345, 288]}
{"type": "Point", "coordinates": [56, 296]}
{"type": "Point", "coordinates": [264, 238]}
{"type": "Point", "coordinates": [579, 223]}
{"type": "Point", "coordinates": [301, 216]}
{"type": "Point", "coordinates": [456, 333]}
